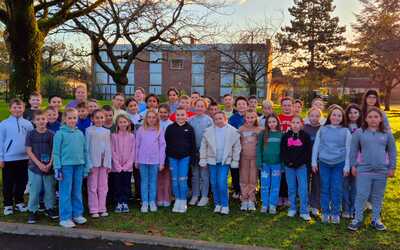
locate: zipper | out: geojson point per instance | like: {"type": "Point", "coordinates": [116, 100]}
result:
{"type": "Point", "coordinates": [19, 130]}
{"type": "Point", "coordinates": [9, 145]}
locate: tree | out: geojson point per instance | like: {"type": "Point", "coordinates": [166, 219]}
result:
{"type": "Point", "coordinates": [141, 24]}
{"type": "Point", "coordinates": [27, 23]}
{"type": "Point", "coordinates": [378, 42]}
{"type": "Point", "coordinates": [313, 38]}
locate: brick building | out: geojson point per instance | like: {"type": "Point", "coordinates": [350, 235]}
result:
{"type": "Point", "coordinates": [195, 67]}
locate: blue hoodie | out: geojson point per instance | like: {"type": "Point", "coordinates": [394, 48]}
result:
{"type": "Point", "coordinates": [69, 148]}
{"type": "Point", "coordinates": [13, 133]}
{"type": "Point", "coordinates": [236, 120]}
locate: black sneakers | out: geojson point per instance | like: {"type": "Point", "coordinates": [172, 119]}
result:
{"type": "Point", "coordinates": [33, 217]}
{"type": "Point", "coordinates": [51, 213]}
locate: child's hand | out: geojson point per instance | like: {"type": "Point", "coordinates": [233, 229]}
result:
{"type": "Point", "coordinates": [354, 171]}
{"type": "Point", "coordinates": [1, 164]}
{"type": "Point", "coordinates": [315, 169]}
{"type": "Point", "coordinates": [58, 174]}
{"type": "Point", "coordinates": [345, 173]}
{"type": "Point", "coordinates": [42, 167]}
{"type": "Point", "coordinates": [391, 173]}
{"type": "Point", "coordinates": [161, 167]}
{"type": "Point", "coordinates": [137, 165]}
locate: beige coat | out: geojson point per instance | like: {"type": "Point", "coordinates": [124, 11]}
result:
{"type": "Point", "coordinates": [208, 150]}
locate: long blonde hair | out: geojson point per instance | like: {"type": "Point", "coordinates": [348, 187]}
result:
{"type": "Point", "coordinates": [145, 120]}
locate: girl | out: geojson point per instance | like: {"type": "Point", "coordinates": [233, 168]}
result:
{"type": "Point", "coordinates": [200, 176]}
{"type": "Point", "coordinates": [181, 151]}
{"type": "Point", "coordinates": [267, 106]}
{"type": "Point", "coordinates": [70, 166]}
{"type": "Point", "coordinates": [152, 103]}
{"type": "Point", "coordinates": [376, 145]}
{"type": "Point", "coordinates": [268, 160]}
{"type": "Point", "coordinates": [295, 154]}
{"type": "Point", "coordinates": [317, 103]}
{"type": "Point", "coordinates": [132, 111]}
{"type": "Point", "coordinates": [150, 158]}
{"type": "Point", "coordinates": [371, 99]}
{"type": "Point", "coordinates": [353, 122]}
{"type": "Point", "coordinates": [173, 99]}
{"type": "Point", "coordinates": [331, 152]}
{"type": "Point", "coordinates": [220, 150]}
{"type": "Point", "coordinates": [164, 176]}
{"type": "Point", "coordinates": [123, 157]}
{"type": "Point", "coordinates": [311, 128]}
{"type": "Point", "coordinates": [248, 169]}
{"type": "Point", "coordinates": [98, 142]}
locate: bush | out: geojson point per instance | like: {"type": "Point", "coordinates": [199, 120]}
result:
{"type": "Point", "coordinates": [51, 85]}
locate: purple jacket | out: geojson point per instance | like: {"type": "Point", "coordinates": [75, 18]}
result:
{"type": "Point", "coordinates": [150, 146]}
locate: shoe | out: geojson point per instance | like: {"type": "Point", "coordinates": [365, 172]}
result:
{"type": "Point", "coordinates": [272, 209]}
{"type": "Point", "coordinates": [203, 202]}
{"type": "Point", "coordinates": [95, 215]}
{"type": "Point", "coordinates": [51, 213]}
{"type": "Point", "coordinates": [354, 225]}
{"type": "Point", "coordinates": [33, 217]}
{"type": "Point", "coordinates": [235, 195]}
{"type": "Point", "coordinates": [125, 208]}
{"type": "Point", "coordinates": [80, 220]}
{"type": "Point", "coordinates": [166, 204]}
{"type": "Point", "coordinates": [175, 209]}
{"type": "Point", "coordinates": [305, 217]}
{"type": "Point", "coordinates": [244, 206]}
{"type": "Point", "coordinates": [20, 207]}
{"type": "Point", "coordinates": [104, 214]}
{"type": "Point", "coordinates": [225, 210]}
{"type": "Point", "coordinates": [8, 210]}
{"type": "Point", "coordinates": [145, 207]}
{"type": "Point", "coordinates": [346, 215]}
{"type": "Point", "coordinates": [42, 207]}
{"type": "Point", "coordinates": [153, 207]}
{"type": "Point", "coordinates": [325, 218]}
{"type": "Point", "coordinates": [368, 206]}
{"type": "Point", "coordinates": [315, 212]}
{"type": "Point", "coordinates": [335, 219]}
{"type": "Point", "coordinates": [378, 225]}
{"type": "Point", "coordinates": [217, 209]}
{"type": "Point", "coordinates": [263, 210]}
{"type": "Point", "coordinates": [291, 213]}
{"type": "Point", "coordinates": [67, 223]}
{"type": "Point", "coordinates": [119, 208]}
{"type": "Point", "coordinates": [193, 200]}
{"type": "Point", "coordinates": [251, 206]}
{"type": "Point", "coordinates": [183, 206]}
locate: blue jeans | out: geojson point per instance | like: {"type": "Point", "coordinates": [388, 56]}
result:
{"type": "Point", "coordinates": [148, 182]}
{"type": "Point", "coordinates": [37, 183]}
{"type": "Point", "coordinates": [331, 188]}
{"type": "Point", "coordinates": [219, 184]}
{"type": "Point", "coordinates": [70, 191]}
{"type": "Point", "coordinates": [349, 194]}
{"type": "Point", "coordinates": [297, 176]}
{"type": "Point", "coordinates": [179, 172]}
{"type": "Point", "coordinates": [270, 184]}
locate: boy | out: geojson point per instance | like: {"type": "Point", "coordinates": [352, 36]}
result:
{"type": "Point", "coordinates": [267, 109]}
{"type": "Point", "coordinates": [139, 97]}
{"type": "Point", "coordinates": [287, 113]}
{"type": "Point", "coordinates": [92, 105]}
{"type": "Point", "coordinates": [35, 100]}
{"type": "Point", "coordinates": [253, 104]}
{"type": "Point", "coordinates": [108, 115]}
{"type": "Point", "coordinates": [55, 102]}
{"type": "Point", "coordinates": [212, 109]}
{"type": "Point", "coordinates": [184, 102]}
{"type": "Point", "coordinates": [39, 145]}
{"type": "Point", "coordinates": [228, 105]}
{"type": "Point", "coordinates": [53, 123]}
{"type": "Point", "coordinates": [80, 96]}
{"type": "Point", "coordinates": [13, 157]}
{"type": "Point", "coordinates": [118, 102]}
{"type": "Point", "coordinates": [297, 107]}
{"type": "Point", "coordinates": [84, 120]}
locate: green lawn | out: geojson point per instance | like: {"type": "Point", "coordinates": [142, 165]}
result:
{"type": "Point", "coordinates": [255, 228]}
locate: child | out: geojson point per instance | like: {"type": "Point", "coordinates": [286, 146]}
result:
{"type": "Point", "coordinates": [248, 168]}
{"type": "Point", "coordinates": [92, 106]}
{"type": "Point", "coordinates": [181, 151]}
{"type": "Point", "coordinates": [267, 110]}
{"type": "Point", "coordinates": [53, 123]}
{"type": "Point", "coordinates": [150, 158]}
{"type": "Point", "coordinates": [228, 105]}
{"type": "Point", "coordinates": [55, 102]}
{"type": "Point", "coordinates": [317, 103]}
{"type": "Point", "coordinates": [132, 111]}
{"type": "Point", "coordinates": [39, 144]}
{"type": "Point", "coordinates": [269, 161]}
{"type": "Point", "coordinates": [377, 164]}
{"type": "Point", "coordinates": [80, 96]}
{"type": "Point", "coordinates": [152, 103]}
{"type": "Point", "coordinates": [295, 155]}
{"type": "Point", "coordinates": [353, 123]}
{"type": "Point", "coordinates": [13, 157]}
{"type": "Point", "coordinates": [35, 100]}
{"type": "Point", "coordinates": [220, 150]}
{"type": "Point", "coordinates": [200, 176]}
{"type": "Point", "coordinates": [70, 166]}
{"type": "Point", "coordinates": [311, 128]}
{"type": "Point", "coordinates": [212, 109]}
{"type": "Point", "coordinates": [98, 141]}
{"type": "Point", "coordinates": [287, 113]}
{"type": "Point", "coordinates": [331, 152]}
{"type": "Point", "coordinates": [108, 117]}
{"type": "Point", "coordinates": [123, 157]}
{"type": "Point", "coordinates": [139, 97]}
{"type": "Point", "coordinates": [297, 107]}
{"type": "Point", "coordinates": [253, 104]}
{"type": "Point", "coordinates": [118, 102]}
{"type": "Point", "coordinates": [184, 102]}
{"type": "Point", "coordinates": [237, 120]}
{"type": "Point", "coordinates": [83, 117]}
{"type": "Point", "coordinates": [193, 99]}
{"type": "Point", "coordinates": [164, 176]}
{"type": "Point", "coordinates": [371, 99]}
{"type": "Point", "coordinates": [173, 96]}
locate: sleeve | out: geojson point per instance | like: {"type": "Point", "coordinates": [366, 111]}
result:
{"type": "Point", "coordinates": [131, 159]}
{"type": "Point", "coordinates": [137, 143]}
{"type": "Point", "coordinates": [194, 148]}
{"type": "Point", "coordinates": [203, 151]}
{"type": "Point", "coordinates": [260, 149]}
{"type": "Point", "coordinates": [308, 145]}
{"type": "Point", "coordinates": [87, 161]}
{"type": "Point", "coordinates": [2, 141]}
{"type": "Point", "coordinates": [107, 158]}
{"type": "Point", "coordinates": [237, 147]}
{"type": "Point", "coordinates": [88, 138]}
{"type": "Point", "coordinates": [283, 148]}
{"type": "Point", "coordinates": [28, 141]}
{"type": "Point", "coordinates": [114, 152]}
{"type": "Point", "coordinates": [354, 148]}
{"type": "Point", "coordinates": [162, 146]}
{"type": "Point", "coordinates": [57, 150]}
{"type": "Point", "coordinates": [348, 145]}
{"type": "Point", "coordinates": [315, 149]}
{"type": "Point", "coordinates": [392, 151]}
{"type": "Point", "coordinates": [386, 122]}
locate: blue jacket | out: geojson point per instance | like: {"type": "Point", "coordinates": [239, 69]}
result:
{"type": "Point", "coordinates": [13, 133]}
{"type": "Point", "coordinates": [236, 120]}
{"type": "Point", "coordinates": [54, 127]}
{"type": "Point", "coordinates": [83, 124]}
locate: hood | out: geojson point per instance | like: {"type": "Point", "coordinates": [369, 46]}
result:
{"type": "Point", "coordinates": [65, 128]}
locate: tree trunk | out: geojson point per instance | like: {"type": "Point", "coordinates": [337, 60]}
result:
{"type": "Point", "coordinates": [386, 98]}
{"type": "Point", "coordinates": [25, 43]}
{"type": "Point", "coordinates": [121, 80]}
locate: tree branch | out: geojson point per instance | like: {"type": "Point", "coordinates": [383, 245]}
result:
{"type": "Point", "coordinates": [3, 16]}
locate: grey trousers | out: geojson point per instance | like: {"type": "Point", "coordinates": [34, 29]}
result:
{"type": "Point", "coordinates": [369, 186]}
{"type": "Point", "coordinates": [200, 181]}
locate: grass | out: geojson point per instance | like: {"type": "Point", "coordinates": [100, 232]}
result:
{"type": "Point", "coordinates": [255, 228]}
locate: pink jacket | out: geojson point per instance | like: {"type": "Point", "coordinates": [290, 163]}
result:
{"type": "Point", "coordinates": [123, 151]}
{"type": "Point", "coordinates": [150, 146]}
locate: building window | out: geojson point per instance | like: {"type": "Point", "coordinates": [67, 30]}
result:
{"type": "Point", "coordinates": [227, 81]}
{"type": "Point", "coordinates": [155, 73]}
{"type": "Point", "coordinates": [176, 64]}
{"type": "Point", "coordinates": [198, 60]}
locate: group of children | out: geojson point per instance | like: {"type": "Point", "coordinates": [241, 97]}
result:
{"type": "Point", "coordinates": [187, 145]}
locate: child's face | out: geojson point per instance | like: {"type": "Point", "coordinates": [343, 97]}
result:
{"type": "Point", "coordinates": [92, 106]}
{"type": "Point", "coordinates": [219, 120]}
{"type": "Point", "coordinates": [185, 104]}
{"type": "Point", "coordinates": [194, 97]}
{"type": "Point", "coordinates": [98, 119]}
{"type": "Point", "coordinates": [296, 125]}
{"type": "Point", "coordinates": [314, 117]}
{"type": "Point", "coordinates": [181, 116]}
{"type": "Point", "coordinates": [172, 97]}
{"type": "Point", "coordinates": [152, 119]}
{"type": "Point", "coordinates": [297, 108]}
{"type": "Point", "coordinates": [123, 124]}
{"type": "Point", "coordinates": [17, 110]}
{"type": "Point", "coordinates": [118, 102]}
{"type": "Point", "coordinates": [52, 116]}
{"type": "Point", "coordinates": [133, 107]}
{"type": "Point", "coordinates": [373, 119]}
{"type": "Point", "coordinates": [336, 117]}
{"type": "Point", "coordinates": [267, 110]}
{"type": "Point", "coordinates": [40, 121]}
{"type": "Point", "coordinates": [212, 109]}
{"type": "Point", "coordinates": [319, 105]}
{"type": "Point", "coordinates": [272, 124]}
{"type": "Point", "coordinates": [80, 94]}
{"type": "Point", "coordinates": [287, 107]}
{"type": "Point", "coordinates": [71, 119]}
{"type": "Point", "coordinates": [253, 104]}
{"type": "Point", "coordinates": [83, 113]}
{"type": "Point", "coordinates": [200, 107]}
{"type": "Point", "coordinates": [139, 96]}
{"type": "Point", "coordinates": [250, 118]}
{"type": "Point", "coordinates": [371, 100]}
{"type": "Point", "coordinates": [56, 102]}
{"type": "Point", "coordinates": [354, 114]}
{"type": "Point", "coordinates": [108, 115]}
{"type": "Point", "coordinates": [35, 102]}
{"type": "Point", "coordinates": [164, 114]}
{"type": "Point", "coordinates": [241, 106]}
{"type": "Point", "coordinates": [228, 101]}
{"type": "Point", "coordinates": [152, 103]}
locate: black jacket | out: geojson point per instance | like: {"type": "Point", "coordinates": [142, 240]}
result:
{"type": "Point", "coordinates": [295, 149]}
{"type": "Point", "coordinates": [180, 141]}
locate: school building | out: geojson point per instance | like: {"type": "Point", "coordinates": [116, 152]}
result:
{"type": "Point", "coordinates": [194, 67]}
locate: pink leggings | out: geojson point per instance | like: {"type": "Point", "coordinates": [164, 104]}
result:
{"type": "Point", "coordinates": [97, 189]}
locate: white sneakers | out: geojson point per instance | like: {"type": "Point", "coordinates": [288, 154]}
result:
{"type": "Point", "coordinates": [180, 206]}
{"type": "Point", "coordinates": [221, 210]}
{"type": "Point", "coordinates": [8, 210]}
{"type": "Point", "coordinates": [203, 202]}
{"type": "Point", "coordinates": [291, 213]}
{"type": "Point", "coordinates": [305, 217]}
{"type": "Point", "coordinates": [96, 215]}
{"type": "Point", "coordinates": [153, 207]}
{"type": "Point", "coordinates": [251, 206]}
{"type": "Point", "coordinates": [217, 209]}
{"type": "Point", "coordinates": [67, 223]}
{"type": "Point", "coordinates": [225, 210]}
{"type": "Point", "coordinates": [21, 207]}
{"type": "Point", "coordinates": [145, 207]}
{"type": "Point", "coordinates": [79, 220]}
{"type": "Point", "coordinates": [193, 200]}
{"type": "Point", "coordinates": [244, 206]}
